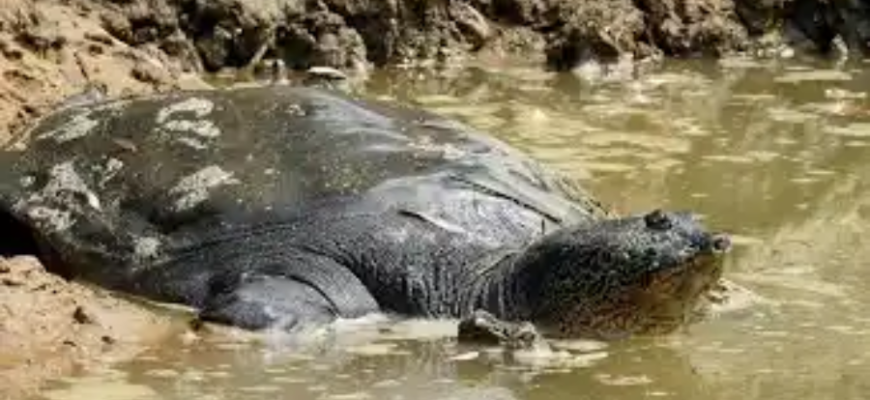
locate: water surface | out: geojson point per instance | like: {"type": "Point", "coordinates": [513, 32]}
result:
{"type": "Point", "coordinates": [776, 153]}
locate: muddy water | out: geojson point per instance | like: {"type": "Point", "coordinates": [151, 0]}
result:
{"type": "Point", "coordinates": [778, 154]}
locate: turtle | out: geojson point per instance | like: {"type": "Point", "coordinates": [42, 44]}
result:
{"type": "Point", "coordinates": [281, 207]}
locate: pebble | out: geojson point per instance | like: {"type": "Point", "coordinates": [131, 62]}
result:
{"type": "Point", "coordinates": [12, 281]}
{"type": "Point", "coordinates": [81, 316]}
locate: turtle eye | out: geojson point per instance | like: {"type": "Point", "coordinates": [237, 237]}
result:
{"type": "Point", "coordinates": [657, 220]}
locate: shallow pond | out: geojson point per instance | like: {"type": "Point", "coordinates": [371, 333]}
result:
{"type": "Point", "coordinates": [776, 153]}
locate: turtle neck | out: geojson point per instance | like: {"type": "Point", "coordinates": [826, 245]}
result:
{"type": "Point", "coordinates": [496, 290]}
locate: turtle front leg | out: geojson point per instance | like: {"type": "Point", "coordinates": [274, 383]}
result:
{"type": "Point", "coordinates": [266, 302]}
{"type": "Point", "coordinates": [287, 291]}
{"type": "Point", "coordinates": [481, 327]}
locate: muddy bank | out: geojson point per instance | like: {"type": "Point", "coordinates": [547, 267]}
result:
{"type": "Point", "coordinates": [355, 34]}
{"type": "Point", "coordinates": [51, 327]}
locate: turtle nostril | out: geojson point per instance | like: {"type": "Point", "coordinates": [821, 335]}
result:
{"type": "Point", "coordinates": [720, 243]}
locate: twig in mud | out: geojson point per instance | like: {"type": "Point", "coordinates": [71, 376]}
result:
{"type": "Point", "coordinates": [80, 62]}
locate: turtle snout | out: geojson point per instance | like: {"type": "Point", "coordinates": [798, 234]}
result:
{"type": "Point", "coordinates": [720, 243]}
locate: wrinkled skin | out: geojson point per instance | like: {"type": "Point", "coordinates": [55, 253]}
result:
{"type": "Point", "coordinates": [657, 268]}
{"type": "Point", "coordinates": [618, 277]}
{"type": "Point", "coordinates": [283, 207]}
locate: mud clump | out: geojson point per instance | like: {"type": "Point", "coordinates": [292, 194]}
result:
{"type": "Point", "coordinates": [680, 27]}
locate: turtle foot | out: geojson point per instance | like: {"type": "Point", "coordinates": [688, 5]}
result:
{"type": "Point", "coordinates": [481, 327]}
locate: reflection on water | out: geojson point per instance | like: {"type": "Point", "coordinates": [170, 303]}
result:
{"type": "Point", "coordinates": [778, 154]}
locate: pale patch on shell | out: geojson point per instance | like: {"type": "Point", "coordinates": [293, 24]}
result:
{"type": "Point", "coordinates": [109, 170]}
{"type": "Point", "coordinates": [451, 152]}
{"type": "Point", "coordinates": [50, 219]}
{"type": "Point", "coordinates": [193, 189]}
{"type": "Point", "coordinates": [50, 206]}
{"type": "Point", "coordinates": [198, 106]}
{"type": "Point", "coordinates": [113, 165]}
{"type": "Point", "coordinates": [194, 143]}
{"type": "Point", "coordinates": [146, 248]}
{"type": "Point", "coordinates": [295, 110]}
{"type": "Point", "coordinates": [204, 128]}
{"type": "Point", "coordinates": [398, 236]}
{"type": "Point", "coordinates": [64, 178]}
{"type": "Point", "coordinates": [27, 181]}
{"type": "Point", "coordinates": [447, 150]}
{"type": "Point", "coordinates": [79, 126]}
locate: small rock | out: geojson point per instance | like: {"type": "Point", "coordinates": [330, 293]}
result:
{"type": "Point", "coordinates": [108, 339]}
{"type": "Point", "coordinates": [328, 77]}
{"type": "Point", "coordinates": [30, 110]}
{"type": "Point", "coordinates": [12, 281]}
{"type": "Point", "coordinates": [41, 41]}
{"type": "Point", "coordinates": [326, 73]}
{"type": "Point", "coordinates": [117, 25]}
{"type": "Point", "coordinates": [99, 37]}
{"type": "Point", "coordinates": [4, 268]}
{"type": "Point", "coordinates": [95, 49]}
{"type": "Point", "coordinates": [468, 356]}
{"type": "Point", "coordinates": [82, 316]}
{"type": "Point", "coordinates": [10, 51]}
{"type": "Point", "coordinates": [147, 72]}
{"type": "Point", "coordinates": [196, 324]}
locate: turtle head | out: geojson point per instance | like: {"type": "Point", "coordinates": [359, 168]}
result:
{"type": "Point", "coordinates": [643, 274]}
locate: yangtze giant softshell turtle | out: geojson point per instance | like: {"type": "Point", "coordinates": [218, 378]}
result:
{"type": "Point", "coordinates": [282, 207]}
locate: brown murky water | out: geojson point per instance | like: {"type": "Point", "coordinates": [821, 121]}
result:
{"type": "Point", "coordinates": [777, 153]}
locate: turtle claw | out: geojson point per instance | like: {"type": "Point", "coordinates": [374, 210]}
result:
{"type": "Point", "coordinates": [481, 327]}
